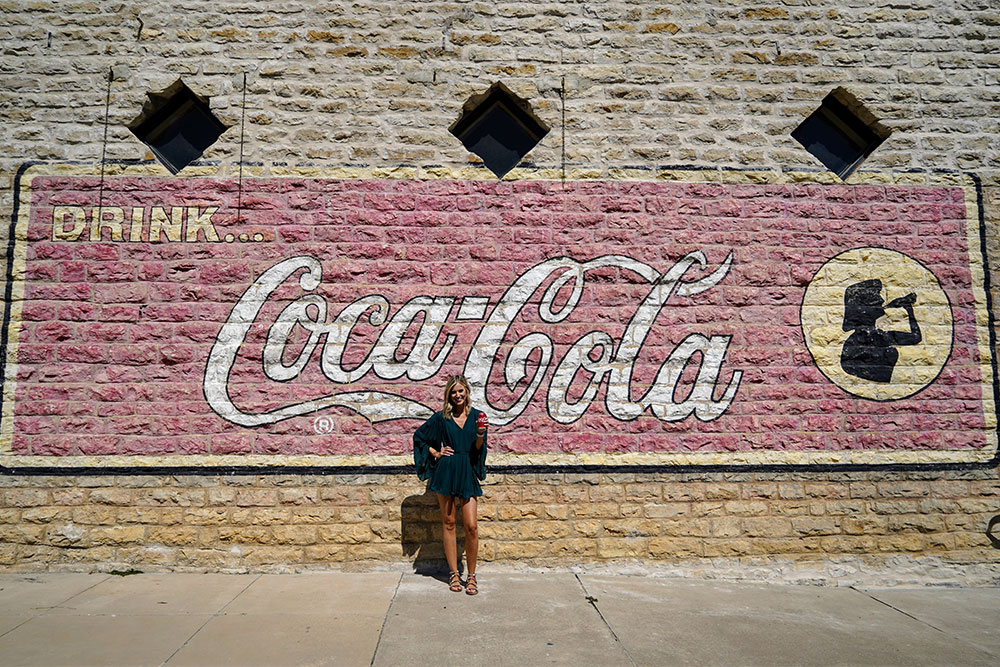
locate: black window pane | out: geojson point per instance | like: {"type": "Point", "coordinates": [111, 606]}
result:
{"type": "Point", "coordinates": [499, 140]}
{"type": "Point", "coordinates": [177, 126]}
{"type": "Point", "coordinates": [837, 136]}
{"type": "Point", "coordinates": [499, 127]}
{"type": "Point", "coordinates": [833, 148]}
{"type": "Point", "coordinates": [175, 149]}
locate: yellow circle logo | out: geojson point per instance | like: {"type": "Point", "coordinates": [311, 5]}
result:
{"type": "Point", "coordinates": [877, 323]}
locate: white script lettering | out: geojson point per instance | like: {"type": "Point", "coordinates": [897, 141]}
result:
{"type": "Point", "coordinates": [532, 354]}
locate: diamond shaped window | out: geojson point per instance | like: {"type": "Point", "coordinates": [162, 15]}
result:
{"type": "Point", "coordinates": [177, 126]}
{"type": "Point", "coordinates": [499, 127]}
{"type": "Point", "coordinates": [841, 133]}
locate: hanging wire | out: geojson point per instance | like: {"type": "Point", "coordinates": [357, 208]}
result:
{"type": "Point", "coordinates": [563, 96]}
{"type": "Point", "coordinates": [243, 124]}
{"type": "Point", "coordinates": [104, 144]}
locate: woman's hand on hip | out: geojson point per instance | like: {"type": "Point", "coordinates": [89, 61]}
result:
{"type": "Point", "coordinates": [445, 451]}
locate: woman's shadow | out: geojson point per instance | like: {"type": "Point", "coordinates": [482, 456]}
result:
{"type": "Point", "coordinates": [421, 535]}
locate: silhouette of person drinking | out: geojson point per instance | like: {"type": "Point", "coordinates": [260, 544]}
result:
{"type": "Point", "coordinates": [870, 353]}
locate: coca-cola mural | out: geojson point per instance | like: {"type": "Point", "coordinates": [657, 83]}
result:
{"type": "Point", "coordinates": [283, 323]}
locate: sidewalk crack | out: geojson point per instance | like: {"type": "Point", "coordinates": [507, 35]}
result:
{"type": "Point", "coordinates": [385, 619]}
{"type": "Point", "coordinates": [923, 622]}
{"type": "Point", "coordinates": [208, 620]}
{"type": "Point", "coordinates": [593, 603]}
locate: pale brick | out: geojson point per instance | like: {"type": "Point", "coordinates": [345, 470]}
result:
{"type": "Point", "coordinates": [518, 550]}
{"type": "Point", "coordinates": [862, 544]}
{"type": "Point", "coordinates": [96, 516]}
{"type": "Point", "coordinates": [257, 498]}
{"type": "Point", "coordinates": [851, 507]}
{"type": "Point", "coordinates": [352, 496]}
{"type": "Point", "coordinates": [115, 535]}
{"type": "Point", "coordinates": [45, 514]}
{"type": "Point", "coordinates": [220, 496]}
{"type": "Point", "coordinates": [348, 534]}
{"type": "Point", "coordinates": [386, 531]}
{"type": "Point", "coordinates": [722, 491]}
{"type": "Point", "coordinates": [666, 511]}
{"type": "Point", "coordinates": [726, 548]}
{"type": "Point", "coordinates": [303, 535]}
{"type": "Point", "coordinates": [26, 497]}
{"type": "Point", "coordinates": [245, 535]}
{"type": "Point", "coordinates": [8, 554]}
{"type": "Point", "coordinates": [259, 517]}
{"type": "Point", "coordinates": [708, 509]}
{"type": "Point", "coordinates": [256, 556]}
{"type": "Point", "coordinates": [499, 531]}
{"type": "Point", "coordinates": [643, 492]}
{"type": "Point", "coordinates": [903, 489]}
{"type": "Point", "coordinates": [221, 558]}
{"type": "Point", "coordinates": [815, 526]}
{"type": "Point", "coordinates": [152, 555]}
{"type": "Point", "coordinates": [572, 548]}
{"type": "Point", "coordinates": [606, 494]}
{"type": "Point", "coordinates": [327, 553]}
{"type": "Point", "coordinates": [556, 512]}
{"type": "Point", "coordinates": [631, 527]}
{"type": "Point", "coordinates": [313, 515]}
{"type": "Point", "coordinates": [588, 528]}
{"type": "Point", "coordinates": [766, 527]}
{"type": "Point", "coordinates": [916, 522]}
{"type": "Point", "coordinates": [205, 517]}
{"type": "Point", "coordinates": [725, 527]}
{"type": "Point", "coordinates": [865, 525]}
{"type": "Point", "coordinates": [173, 536]}
{"type": "Point", "coordinates": [625, 547]}
{"type": "Point", "coordinates": [595, 510]}
{"type": "Point", "coordinates": [747, 508]}
{"type": "Point", "coordinates": [508, 512]}
{"type": "Point", "coordinates": [676, 547]}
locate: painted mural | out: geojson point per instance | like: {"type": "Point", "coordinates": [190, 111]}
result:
{"type": "Point", "coordinates": [312, 321]}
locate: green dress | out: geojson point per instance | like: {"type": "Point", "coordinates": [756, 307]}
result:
{"type": "Point", "coordinates": [458, 474]}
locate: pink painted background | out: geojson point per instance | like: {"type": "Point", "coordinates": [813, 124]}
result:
{"type": "Point", "coordinates": [115, 335]}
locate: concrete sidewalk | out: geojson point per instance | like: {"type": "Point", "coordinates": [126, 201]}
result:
{"type": "Point", "coordinates": [391, 618]}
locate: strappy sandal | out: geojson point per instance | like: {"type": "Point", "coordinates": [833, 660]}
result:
{"type": "Point", "coordinates": [455, 582]}
{"type": "Point", "coordinates": [470, 586]}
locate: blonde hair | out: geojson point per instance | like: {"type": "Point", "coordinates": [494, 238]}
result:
{"type": "Point", "coordinates": [455, 379]}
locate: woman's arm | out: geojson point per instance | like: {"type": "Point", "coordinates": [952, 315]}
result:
{"type": "Point", "coordinates": [482, 423]}
{"type": "Point", "coordinates": [478, 454]}
{"type": "Point", "coordinates": [427, 446]}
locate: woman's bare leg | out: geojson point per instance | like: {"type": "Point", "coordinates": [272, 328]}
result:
{"type": "Point", "coordinates": [447, 505]}
{"type": "Point", "coordinates": [469, 509]}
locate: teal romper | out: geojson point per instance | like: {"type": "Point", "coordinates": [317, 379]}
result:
{"type": "Point", "coordinates": [458, 474]}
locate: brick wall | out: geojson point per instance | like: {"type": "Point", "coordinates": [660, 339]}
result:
{"type": "Point", "coordinates": [349, 89]}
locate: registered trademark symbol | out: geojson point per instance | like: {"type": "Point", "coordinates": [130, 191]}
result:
{"type": "Point", "coordinates": [323, 425]}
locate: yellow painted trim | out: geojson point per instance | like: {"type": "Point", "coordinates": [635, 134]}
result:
{"type": "Point", "coordinates": [978, 283]}
{"type": "Point", "coordinates": [755, 458]}
{"type": "Point", "coordinates": [19, 267]}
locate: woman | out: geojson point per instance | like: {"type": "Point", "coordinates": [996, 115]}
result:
{"type": "Point", "coordinates": [869, 352]}
{"type": "Point", "coordinates": [450, 450]}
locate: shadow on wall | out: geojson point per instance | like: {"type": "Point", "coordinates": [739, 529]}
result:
{"type": "Point", "coordinates": [994, 540]}
{"type": "Point", "coordinates": [420, 527]}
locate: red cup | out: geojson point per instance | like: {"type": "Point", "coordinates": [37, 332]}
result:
{"type": "Point", "coordinates": [481, 421]}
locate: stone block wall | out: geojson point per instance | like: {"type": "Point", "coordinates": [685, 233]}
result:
{"type": "Point", "coordinates": [634, 92]}
{"type": "Point", "coordinates": [848, 528]}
